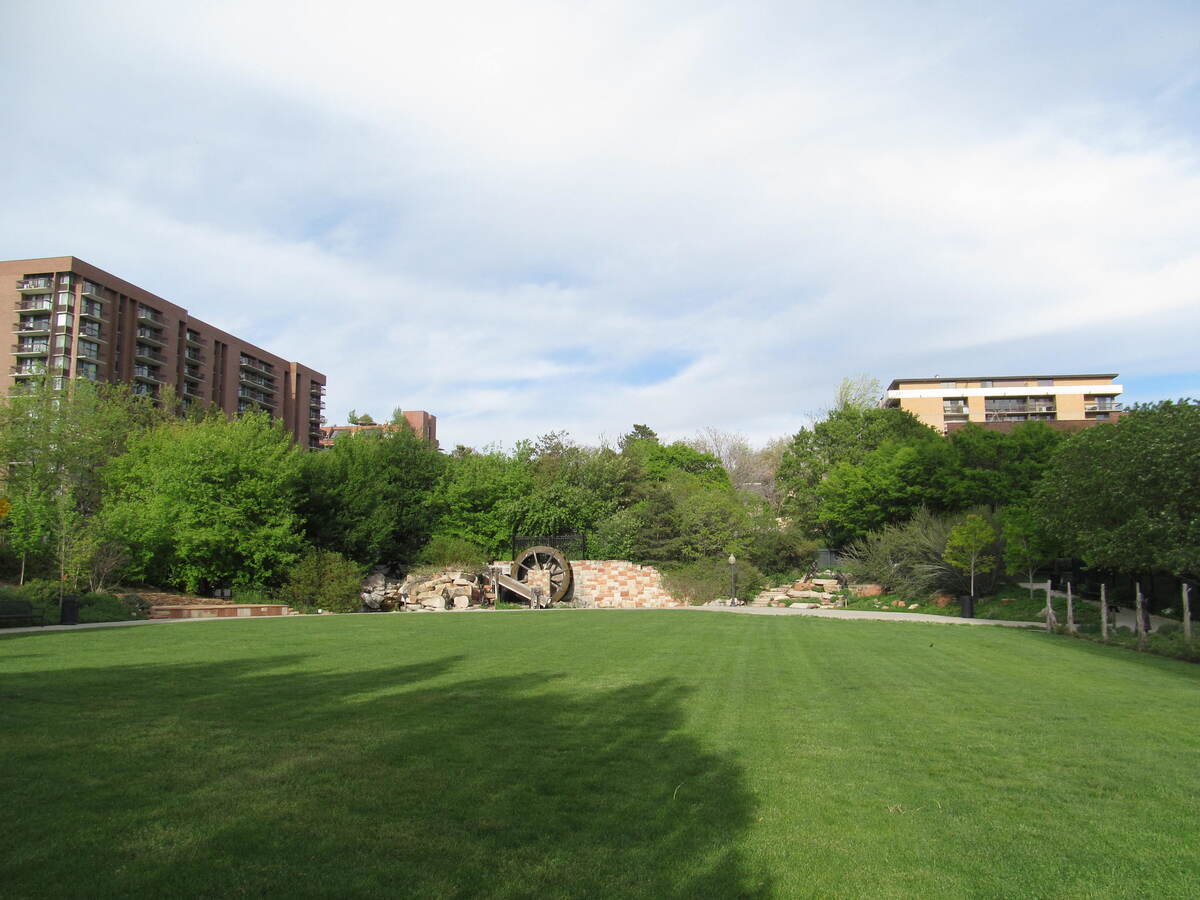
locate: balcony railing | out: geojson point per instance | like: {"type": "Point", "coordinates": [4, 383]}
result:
{"type": "Point", "coordinates": [35, 284]}
{"type": "Point", "coordinates": [1104, 406]}
{"type": "Point", "coordinates": [145, 390]}
{"type": "Point", "coordinates": [29, 370]}
{"type": "Point", "coordinates": [955, 410]}
{"type": "Point", "coordinates": [91, 309]}
{"type": "Point", "coordinates": [152, 334]}
{"type": "Point", "coordinates": [247, 362]}
{"type": "Point", "coordinates": [146, 314]}
{"type": "Point", "coordinates": [87, 353]}
{"type": "Point", "coordinates": [89, 329]}
{"type": "Point", "coordinates": [31, 347]}
{"type": "Point", "coordinates": [1022, 408]}
{"type": "Point", "coordinates": [142, 351]}
{"type": "Point", "coordinates": [148, 373]}
{"type": "Point", "coordinates": [258, 381]}
{"type": "Point", "coordinates": [194, 375]}
{"type": "Point", "coordinates": [92, 290]}
{"type": "Point", "coordinates": [33, 326]}
{"type": "Point", "coordinates": [192, 337]}
{"type": "Point", "coordinates": [35, 303]}
{"type": "Point", "coordinates": [318, 389]}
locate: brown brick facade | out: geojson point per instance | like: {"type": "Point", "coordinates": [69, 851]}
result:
{"type": "Point", "coordinates": [72, 320]}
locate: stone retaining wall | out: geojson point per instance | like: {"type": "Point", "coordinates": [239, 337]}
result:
{"type": "Point", "coordinates": [615, 583]}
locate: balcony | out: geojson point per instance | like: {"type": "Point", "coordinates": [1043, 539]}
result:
{"type": "Point", "coordinates": [318, 389]}
{"type": "Point", "coordinates": [28, 369]}
{"type": "Point", "coordinates": [148, 354]}
{"type": "Point", "coordinates": [258, 381]}
{"type": "Point", "coordinates": [146, 373]}
{"type": "Point", "coordinates": [1103, 406]}
{"type": "Point", "coordinates": [41, 302]}
{"type": "Point", "coordinates": [92, 290]}
{"type": "Point", "coordinates": [144, 390]}
{"type": "Point", "coordinates": [30, 347]}
{"type": "Point", "coordinates": [89, 329]}
{"type": "Point", "coordinates": [91, 310]}
{"type": "Point", "coordinates": [955, 410]}
{"type": "Point", "coordinates": [34, 326]}
{"type": "Point", "coordinates": [35, 284]}
{"type": "Point", "coordinates": [146, 314]}
{"type": "Point", "coordinates": [192, 337]}
{"type": "Point", "coordinates": [88, 353]}
{"type": "Point", "coordinates": [152, 335]}
{"type": "Point", "coordinates": [193, 374]}
{"type": "Point", "coordinates": [248, 362]}
{"type": "Point", "coordinates": [1022, 409]}
{"type": "Point", "coordinates": [191, 390]}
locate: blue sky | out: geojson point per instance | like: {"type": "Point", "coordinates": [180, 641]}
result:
{"type": "Point", "coordinates": [538, 216]}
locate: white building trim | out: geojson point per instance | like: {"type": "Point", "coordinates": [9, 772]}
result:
{"type": "Point", "coordinates": [1044, 390]}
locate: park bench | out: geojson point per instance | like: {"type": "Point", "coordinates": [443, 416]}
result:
{"type": "Point", "coordinates": [20, 610]}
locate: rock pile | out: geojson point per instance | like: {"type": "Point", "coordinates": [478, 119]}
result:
{"type": "Point", "coordinates": [382, 591]}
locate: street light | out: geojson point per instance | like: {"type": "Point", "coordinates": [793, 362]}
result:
{"type": "Point", "coordinates": [732, 580]}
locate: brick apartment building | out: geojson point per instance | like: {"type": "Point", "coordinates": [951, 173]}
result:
{"type": "Point", "coordinates": [421, 422]}
{"type": "Point", "coordinates": [71, 319]}
{"type": "Point", "coordinates": [1063, 401]}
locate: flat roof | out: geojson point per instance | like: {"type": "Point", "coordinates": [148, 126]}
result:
{"type": "Point", "coordinates": [935, 378]}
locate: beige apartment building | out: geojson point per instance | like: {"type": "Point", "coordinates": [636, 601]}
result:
{"type": "Point", "coordinates": [1063, 401]}
{"type": "Point", "coordinates": [72, 320]}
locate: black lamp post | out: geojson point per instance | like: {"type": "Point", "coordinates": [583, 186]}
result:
{"type": "Point", "coordinates": [732, 580]}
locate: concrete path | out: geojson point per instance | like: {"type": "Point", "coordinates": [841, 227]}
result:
{"type": "Point", "coordinates": [43, 629]}
{"type": "Point", "coordinates": [863, 614]}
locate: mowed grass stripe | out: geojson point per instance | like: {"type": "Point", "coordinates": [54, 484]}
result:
{"type": "Point", "coordinates": [583, 753]}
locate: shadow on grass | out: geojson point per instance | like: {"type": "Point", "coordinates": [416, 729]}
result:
{"type": "Point", "coordinates": [263, 777]}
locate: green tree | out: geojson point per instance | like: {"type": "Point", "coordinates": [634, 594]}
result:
{"type": "Point", "coordinates": [209, 503]}
{"type": "Point", "coordinates": [370, 495]}
{"type": "Point", "coordinates": [845, 437]}
{"type": "Point", "coordinates": [55, 444]}
{"type": "Point", "coordinates": [479, 497]}
{"type": "Point", "coordinates": [1027, 546]}
{"type": "Point", "coordinates": [967, 547]}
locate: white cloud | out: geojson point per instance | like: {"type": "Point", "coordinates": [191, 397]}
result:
{"type": "Point", "coordinates": [514, 215]}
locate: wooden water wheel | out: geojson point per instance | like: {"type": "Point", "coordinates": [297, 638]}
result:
{"type": "Point", "coordinates": [549, 560]}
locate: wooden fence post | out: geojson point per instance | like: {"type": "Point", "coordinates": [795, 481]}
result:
{"type": "Point", "coordinates": [1070, 609]}
{"type": "Point", "coordinates": [1139, 624]}
{"type": "Point", "coordinates": [1103, 611]}
{"type": "Point", "coordinates": [1187, 613]}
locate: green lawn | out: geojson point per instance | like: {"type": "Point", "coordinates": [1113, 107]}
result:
{"type": "Point", "coordinates": [585, 753]}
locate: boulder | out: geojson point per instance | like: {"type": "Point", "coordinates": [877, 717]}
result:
{"type": "Point", "coordinates": [437, 601]}
{"type": "Point", "coordinates": [866, 590]}
{"type": "Point", "coordinates": [462, 601]}
{"type": "Point", "coordinates": [804, 605]}
{"type": "Point", "coordinates": [374, 582]}
{"type": "Point", "coordinates": [941, 601]}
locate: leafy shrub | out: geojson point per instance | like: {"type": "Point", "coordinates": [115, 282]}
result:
{"type": "Point", "coordinates": [323, 579]}
{"type": "Point", "coordinates": [1091, 628]}
{"type": "Point", "coordinates": [451, 551]}
{"type": "Point", "coordinates": [97, 607]}
{"type": "Point", "coordinates": [908, 558]}
{"type": "Point", "coordinates": [1169, 628]}
{"type": "Point", "coordinates": [707, 579]}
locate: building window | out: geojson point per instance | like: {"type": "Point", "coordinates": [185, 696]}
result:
{"type": "Point", "coordinates": [949, 384]}
{"type": "Point", "coordinates": [984, 384]}
{"type": "Point", "coordinates": [1045, 382]}
{"type": "Point", "coordinates": [65, 321]}
{"type": "Point", "coordinates": [66, 300]}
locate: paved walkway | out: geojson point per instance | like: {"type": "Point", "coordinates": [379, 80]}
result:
{"type": "Point", "coordinates": [42, 629]}
{"type": "Point", "coordinates": [862, 614]}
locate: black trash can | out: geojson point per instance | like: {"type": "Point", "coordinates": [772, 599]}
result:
{"type": "Point", "coordinates": [70, 610]}
{"type": "Point", "coordinates": [967, 602]}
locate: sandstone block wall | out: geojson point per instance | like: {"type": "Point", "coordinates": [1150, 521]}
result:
{"type": "Point", "coordinates": [615, 583]}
